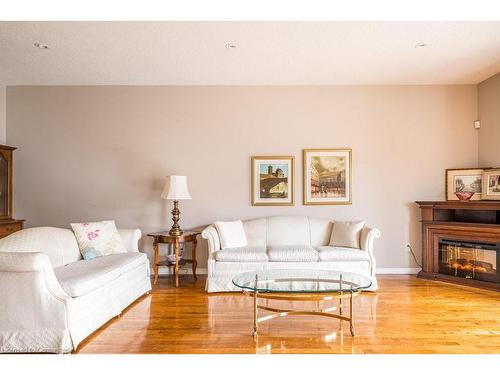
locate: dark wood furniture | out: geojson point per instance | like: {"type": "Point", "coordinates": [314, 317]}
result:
{"type": "Point", "coordinates": [166, 238]}
{"type": "Point", "coordinates": [468, 221]}
{"type": "Point", "coordinates": [8, 225]}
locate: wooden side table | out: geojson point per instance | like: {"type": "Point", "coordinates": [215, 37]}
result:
{"type": "Point", "coordinates": [166, 238]}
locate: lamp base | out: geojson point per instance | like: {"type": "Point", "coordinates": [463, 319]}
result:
{"type": "Point", "coordinates": [175, 232]}
{"type": "Point", "coordinates": [176, 229]}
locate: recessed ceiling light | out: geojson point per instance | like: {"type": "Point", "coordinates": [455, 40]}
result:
{"type": "Point", "coordinates": [230, 45]}
{"type": "Point", "coordinates": [420, 45]}
{"type": "Point", "coordinates": [41, 45]}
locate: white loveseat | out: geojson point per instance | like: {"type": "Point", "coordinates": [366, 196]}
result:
{"type": "Point", "coordinates": [286, 242]}
{"type": "Point", "coordinates": [51, 299]}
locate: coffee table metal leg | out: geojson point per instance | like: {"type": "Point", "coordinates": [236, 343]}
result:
{"type": "Point", "coordinates": [351, 308]}
{"type": "Point", "coordinates": [255, 327]}
{"type": "Point", "coordinates": [255, 312]}
{"type": "Point", "coordinates": [341, 292]}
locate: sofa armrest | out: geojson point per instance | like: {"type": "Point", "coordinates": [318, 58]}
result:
{"type": "Point", "coordinates": [368, 236]}
{"type": "Point", "coordinates": [33, 263]}
{"type": "Point", "coordinates": [35, 309]}
{"type": "Point", "coordinates": [130, 239]}
{"type": "Point", "coordinates": [211, 235]}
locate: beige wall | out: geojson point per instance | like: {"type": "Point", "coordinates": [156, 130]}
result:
{"type": "Point", "coordinates": [91, 153]}
{"type": "Point", "coordinates": [489, 115]}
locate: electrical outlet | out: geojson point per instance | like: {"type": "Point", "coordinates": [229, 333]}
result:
{"type": "Point", "coordinates": [407, 247]}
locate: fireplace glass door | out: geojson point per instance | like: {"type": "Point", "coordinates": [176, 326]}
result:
{"type": "Point", "coordinates": [469, 260]}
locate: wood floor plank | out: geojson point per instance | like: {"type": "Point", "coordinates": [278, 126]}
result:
{"type": "Point", "coordinates": [406, 315]}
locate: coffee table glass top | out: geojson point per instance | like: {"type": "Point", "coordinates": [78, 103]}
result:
{"type": "Point", "coordinates": [301, 281]}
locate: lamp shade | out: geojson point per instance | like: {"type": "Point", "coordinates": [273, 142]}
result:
{"type": "Point", "coordinates": [176, 188]}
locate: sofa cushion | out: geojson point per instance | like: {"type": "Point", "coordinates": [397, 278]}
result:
{"type": "Point", "coordinates": [85, 276]}
{"type": "Point", "coordinates": [341, 254]}
{"type": "Point", "coordinates": [247, 254]}
{"type": "Point", "coordinates": [256, 232]}
{"type": "Point", "coordinates": [77, 279]}
{"type": "Point", "coordinates": [299, 253]}
{"type": "Point", "coordinates": [346, 234]}
{"type": "Point", "coordinates": [231, 234]}
{"type": "Point", "coordinates": [98, 239]}
{"type": "Point", "coordinates": [288, 231]}
{"type": "Point", "coordinates": [321, 231]}
{"type": "Point", "coordinates": [125, 262]}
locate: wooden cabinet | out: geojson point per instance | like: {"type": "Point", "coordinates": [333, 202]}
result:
{"type": "Point", "coordinates": [8, 225]}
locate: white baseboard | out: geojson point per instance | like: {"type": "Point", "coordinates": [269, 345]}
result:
{"type": "Point", "coordinates": [380, 271]}
{"type": "Point", "coordinates": [397, 271]}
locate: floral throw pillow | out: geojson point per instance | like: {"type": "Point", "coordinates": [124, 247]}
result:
{"type": "Point", "coordinates": [98, 239]}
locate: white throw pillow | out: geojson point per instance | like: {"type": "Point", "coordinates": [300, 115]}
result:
{"type": "Point", "coordinates": [347, 234]}
{"type": "Point", "coordinates": [231, 234]}
{"type": "Point", "coordinates": [98, 239]}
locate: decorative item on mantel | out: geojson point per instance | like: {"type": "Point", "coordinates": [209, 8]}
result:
{"type": "Point", "coordinates": [8, 225]}
{"type": "Point", "coordinates": [491, 184]}
{"type": "Point", "coordinates": [464, 195]}
{"type": "Point", "coordinates": [463, 184]}
{"type": "Point", "coordinates": [176, 189]}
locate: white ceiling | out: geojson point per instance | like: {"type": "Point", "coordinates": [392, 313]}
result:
{"type": "Point", "coordinates": [267, 53]}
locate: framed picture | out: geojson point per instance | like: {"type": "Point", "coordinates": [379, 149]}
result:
{"type": "Point", "coordinates": [273, 180]}
{"type": "Point", "coordinates": [327, 176]}
{"type": "Point", "coordinates": [491, 184]}
{"type": "Point", "coordinates": [464, 180]}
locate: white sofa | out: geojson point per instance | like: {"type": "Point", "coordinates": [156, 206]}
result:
{"type": "Point", "coordinates": [51, 299]}
{"type": "Point", "coordinates": [286, 242]}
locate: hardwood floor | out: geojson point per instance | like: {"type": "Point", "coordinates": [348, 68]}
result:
{"type": "Point", "coordinates": [406, 315]}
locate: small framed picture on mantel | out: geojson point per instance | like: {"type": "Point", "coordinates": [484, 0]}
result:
{"type": "Point", "coordinates": [491, 184]}
{"type": "Point", "coordinates": [464, 184]}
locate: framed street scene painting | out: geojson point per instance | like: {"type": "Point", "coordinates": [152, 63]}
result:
{"type": "Point", "coordinates": [273, 180]}
{"type": "Point", "coordinates": [464, 184]}
{"type": "Point", "coordinates": [327, 176]}
{"type": "Point", "coordinates": [491, 184]}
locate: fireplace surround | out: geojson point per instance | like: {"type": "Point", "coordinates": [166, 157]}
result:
{"type": "Point", "coordinates": [461, 242]}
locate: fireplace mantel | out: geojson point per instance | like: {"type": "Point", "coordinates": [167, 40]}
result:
{"type": "Point", "coordinates": [472, 221]}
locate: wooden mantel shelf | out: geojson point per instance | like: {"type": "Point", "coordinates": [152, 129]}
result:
{"type": "Point", "coordinates": [461, 205]}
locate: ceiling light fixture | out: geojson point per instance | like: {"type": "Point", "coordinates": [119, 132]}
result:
{"type": "Point", "coordinates": [230, 45]}
{"type": "Point", "coordinates": [420, 45]}
{"type": "Point", "coordinates": [41, 45]}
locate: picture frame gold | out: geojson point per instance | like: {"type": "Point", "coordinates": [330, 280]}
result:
{"type": "Point", "coordinates": [491, 184]}
{"type": "Point", "coordinates": [271, 177]}
{"type": "Point", "coordinates": [453, 174]}
{"type": "Point", "coordinates": [312, 195]}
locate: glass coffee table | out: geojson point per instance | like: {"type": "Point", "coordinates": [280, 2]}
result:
{"type": "Point", "coordinates": [302, 285]}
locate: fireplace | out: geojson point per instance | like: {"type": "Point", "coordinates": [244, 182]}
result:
{"type": "Point", "coordinates": [469, 260]}
{"type": "Point", "coordinates": [461, 242]}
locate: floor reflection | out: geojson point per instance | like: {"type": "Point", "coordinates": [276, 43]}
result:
{"type": "Point", "coordinates": [287, 334]}
{"type": "Point", "coordinates": [399, 318]}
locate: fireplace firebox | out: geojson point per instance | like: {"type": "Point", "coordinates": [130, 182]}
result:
{"type": "Point", "coordinates": [470, 260]}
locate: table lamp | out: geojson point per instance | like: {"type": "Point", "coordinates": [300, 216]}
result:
{"type": "Point", "coordinates": [176, 189]}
